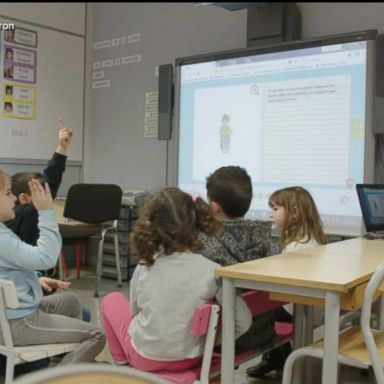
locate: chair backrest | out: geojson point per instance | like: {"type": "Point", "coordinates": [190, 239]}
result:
{"type": "Point", "coordinates": [93, 203]}
{"type": "Point", "coordinates": [204, 322]}
{"type": "Point", "coordinates": [9, 293]}
{"type": "Point", "coordinates": [8, 299]}
{"type": "Point", "coordinates": [365, 320]}
{"type": "Point", "coordinates": [90, 373]}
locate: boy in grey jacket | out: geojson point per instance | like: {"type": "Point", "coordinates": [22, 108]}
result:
{"type": "Point", "coordinates": [229, 191]}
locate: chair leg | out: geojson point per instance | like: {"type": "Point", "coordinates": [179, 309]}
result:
{"type": "Point", "coordinates": [288, 369]}
{"type": "Point", "coordinates": [117, 254]}
{"type": "Point", "coordinates": [10, 367]}
{"type": "Point", "coordinates": [288, 366]}
{"type": "Point", "coordinates": [78, 260]}
{"type": "Point", "coordinates": [63, 271]}
{"type": "Point", "coordinates": [86, 252]}
{"type": "Point", "coordinates": [99, 263]}
{"type": "Point", "coordinates": [61, 266]}
{"type": "Point", "coordinates": [293, 356]}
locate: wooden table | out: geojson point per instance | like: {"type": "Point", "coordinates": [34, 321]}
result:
{"type": "Point", "coordinates": [326, 272]}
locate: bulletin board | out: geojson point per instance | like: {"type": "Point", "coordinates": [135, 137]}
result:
{"type": "Point", "coordinates": [47, 72]}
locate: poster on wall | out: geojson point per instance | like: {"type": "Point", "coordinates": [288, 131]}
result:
{"type": "Point", "coordinates": [21, 36]}
{"type": "Point", "coordinates": [19, 100]}
{"type": "Point", "coordinates": [151, 114]}
{"type": "Point", "coordinates": [19, 74]}
{"type": "Point", "coordinates": [19, 64]}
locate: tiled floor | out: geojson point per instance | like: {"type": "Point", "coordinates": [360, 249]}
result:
{"type": "Point", "coordinates": [84, 288]}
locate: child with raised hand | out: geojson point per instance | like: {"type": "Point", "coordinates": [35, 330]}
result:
{"type": "Point", "coordinates": [152, 331]}
{"type": "Point", "coordinates": [295, 215]}
{"type": "Point", "coordinates": [24, 224]}
{"type": "Point", "coordinates": [33, 323]}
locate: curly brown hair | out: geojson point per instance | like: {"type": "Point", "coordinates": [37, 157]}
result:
{"type": "Point", "coordinates": [303, 221]}
{"type": "Point", "coordinates": [171, 219]}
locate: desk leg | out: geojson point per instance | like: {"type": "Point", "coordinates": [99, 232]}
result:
{"type": "Point", "coordinates": [228, 342]}
{"type": "Point", "coordinates": [298, 325]}
{"type": "Point", "coordinates": [331, 339]}
{"type": "Point", "coordinates": [308, 339]}
{"type": "Point", "coordinates": [298, 340]}
{"type": "Point", "coordinates": [309, 312]}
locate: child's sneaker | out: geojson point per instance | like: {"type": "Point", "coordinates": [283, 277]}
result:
{"type": "Point", "coordinates": [271, 361]}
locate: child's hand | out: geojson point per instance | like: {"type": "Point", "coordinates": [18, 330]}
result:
{"type": "Point", "coordinates": [50, 285]}
{"type": "Point", "coordinates": [65, 137]}
{"type": "Point", "coordinates": [41, 197]}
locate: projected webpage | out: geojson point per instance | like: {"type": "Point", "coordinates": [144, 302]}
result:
{"type": "Point", "coordinates": [289, 118]}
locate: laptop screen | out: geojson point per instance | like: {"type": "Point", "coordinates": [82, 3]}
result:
{"type": "Point", "coordinates": [371, 198]}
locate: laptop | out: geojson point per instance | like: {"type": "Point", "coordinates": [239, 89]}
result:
{"type": "Point", "coordinates": [371, 199]}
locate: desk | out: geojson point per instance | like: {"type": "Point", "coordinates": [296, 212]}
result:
{"type": "Point", "coordinates": [324, 272]}
{"type": "Point", "coordinates": [70, 229]}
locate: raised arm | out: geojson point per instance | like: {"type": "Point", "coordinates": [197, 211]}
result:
{"type": "Point", "coordinates": [53, 173]}
{"type": "Point", "coordinates": [17, 254]}
{"type": "Point", "coordinates": [65, 138]}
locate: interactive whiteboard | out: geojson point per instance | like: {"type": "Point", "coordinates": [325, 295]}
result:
{"type": "Point", "coordinates": [298, 113]}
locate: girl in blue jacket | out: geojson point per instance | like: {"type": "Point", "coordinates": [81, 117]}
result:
{"type": "Point", "coordinates": [35, 321]}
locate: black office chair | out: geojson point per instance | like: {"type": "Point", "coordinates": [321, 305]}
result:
{"type": "Point", "coordinates": [93, 205]}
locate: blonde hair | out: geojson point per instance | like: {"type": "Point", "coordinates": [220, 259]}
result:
{"type": "Point", "coordinates": [3, 177]}
{"type": "Point", "coordinates": [302, 218]}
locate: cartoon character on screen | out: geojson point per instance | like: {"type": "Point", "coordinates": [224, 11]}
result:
{"type": "Point", "coordinates": [225, 132]}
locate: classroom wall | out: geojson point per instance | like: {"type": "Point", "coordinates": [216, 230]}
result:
{"type": "Point", "coordinates": [115, 147]}
{"type": "Point", "coordinates": [321, 19]}
{"type": "Point", "coordinates": [65, 24]}
{"type": "Point", "coordinates": [68, 17]}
